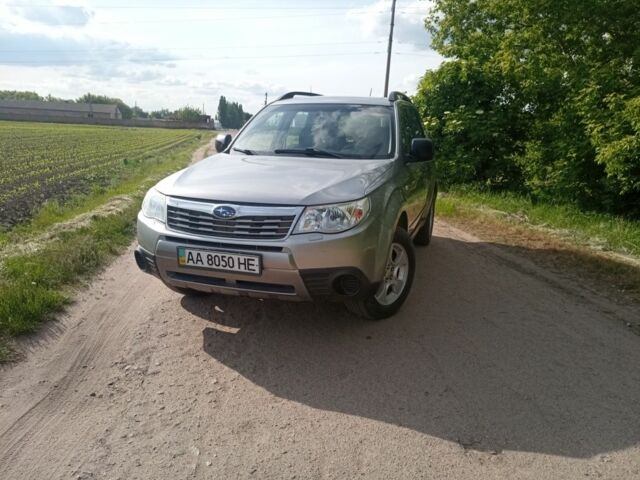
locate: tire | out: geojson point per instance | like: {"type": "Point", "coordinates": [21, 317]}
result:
{"type": "Point", "coordinates": [373, 305]}
{"type": "Point", "coordinates": [423, 237]}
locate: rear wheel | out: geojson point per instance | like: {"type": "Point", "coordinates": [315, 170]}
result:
{"type": "Point", "coordinates": [389, 296]}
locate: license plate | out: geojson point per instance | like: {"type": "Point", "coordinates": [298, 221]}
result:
{"type": "Point", "coordinates": [216, 260]}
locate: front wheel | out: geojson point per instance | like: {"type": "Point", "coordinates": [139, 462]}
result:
{"type": "Point", "coordinates": [389, 296]}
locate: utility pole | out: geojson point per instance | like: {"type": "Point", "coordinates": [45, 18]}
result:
{"type": "Point", "coordinates": [265, 98]}
{"type": "Point", "coordinates": [386, 78]}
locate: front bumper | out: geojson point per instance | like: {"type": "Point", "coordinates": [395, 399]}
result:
{"type": "Point", "coordinates": [298, 267]}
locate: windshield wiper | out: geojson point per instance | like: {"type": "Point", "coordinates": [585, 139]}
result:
{"type": "Point", "coordinates": [243, 150]}
{"type": "Point", "coordinates": [310, 152]}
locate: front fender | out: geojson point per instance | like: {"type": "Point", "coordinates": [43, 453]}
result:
{"type": "Point", "coordinates": [392, 206]}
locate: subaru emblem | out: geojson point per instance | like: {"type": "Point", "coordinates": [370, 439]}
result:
{"type": "Point", "coordinates": [224, 212]}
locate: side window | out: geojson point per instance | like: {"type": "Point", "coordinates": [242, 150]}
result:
{"type": "Point", "coordinates": [410, 126]}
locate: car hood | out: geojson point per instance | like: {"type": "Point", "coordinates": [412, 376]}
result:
{"type": "Point", "coordinates": [282, 180]}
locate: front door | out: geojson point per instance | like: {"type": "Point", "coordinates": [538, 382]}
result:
{"type": "Point", "coordinates": [418, 173]}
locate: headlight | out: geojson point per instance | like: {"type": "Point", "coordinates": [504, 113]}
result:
{"type": "Point", "coordinates": [154, 205]}
{"type": "Point", "coordinates": [333, 218]}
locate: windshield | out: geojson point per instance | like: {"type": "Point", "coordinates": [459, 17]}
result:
{"type": "Point", "coordinates": [326, 130]}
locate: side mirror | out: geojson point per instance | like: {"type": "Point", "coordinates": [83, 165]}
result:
{"type": "Point", "coordinates": [422, 149]}
{"type": "Point", "coordinates": [222, 142]}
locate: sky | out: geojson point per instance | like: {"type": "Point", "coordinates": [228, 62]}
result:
{"type": "Point", "coordinates": [172, 53]}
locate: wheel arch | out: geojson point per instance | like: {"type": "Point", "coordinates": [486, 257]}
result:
{"type": "Point", "coordinates": [403, 221]}
{"type": "Point", "coordinates": [394, 215]}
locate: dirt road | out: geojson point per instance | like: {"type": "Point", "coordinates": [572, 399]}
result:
{"type": "Point", "coordinates": [494, 369]}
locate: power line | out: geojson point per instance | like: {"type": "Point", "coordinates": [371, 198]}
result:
{"type": "Point", "coordinates": [192, 7]}
{"type": "Point", "coordinates": [183, 59]}
{"type": "Point", "coordinates": [208, 47]}
{"type": "Point", "coordinates": [414, 54]}
{"type": "Point", "coordinates": [234, 17]}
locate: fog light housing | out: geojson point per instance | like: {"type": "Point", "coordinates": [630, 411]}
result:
{"type": "Point", "coordinates": [347, 285]}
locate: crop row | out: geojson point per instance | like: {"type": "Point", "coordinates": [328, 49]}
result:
{"type": "Point", "coordinates": [40, 161]}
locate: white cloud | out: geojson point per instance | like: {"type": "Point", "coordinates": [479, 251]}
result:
{"type": "Point", "coordinates": [54, 15]}
{"type": "Point", "coordinates": [129, 73]}
{"type": "Point", "coordinates": [409, 25]}
{"type": "Point", "coordinates": [410, 83]}
{"type": "Point", "coordinates": [40, 49]}
{"type": "Point", "coordinates": [168, 57]}
{"type": "Point", "coordinates": [249, 87]}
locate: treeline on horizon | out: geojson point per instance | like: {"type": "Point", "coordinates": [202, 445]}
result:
{"type": "Point", "coordinates": [231, 114]}
{"type": "Point", "coordinates": [538, 97]}
{"type": "Point", "coordinates": [234, 116]}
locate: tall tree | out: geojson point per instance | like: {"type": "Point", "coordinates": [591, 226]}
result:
{"type": "Point", "coordinates": [222, 111]}
{"type": "Point", "coordinates": [231, 114]}
{"type": "Point", "coordinates": [559, 87]}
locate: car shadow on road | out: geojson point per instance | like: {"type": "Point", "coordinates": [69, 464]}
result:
{"type": "Point", "coordinates": [482, 354]}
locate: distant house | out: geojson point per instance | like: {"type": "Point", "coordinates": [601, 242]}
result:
{"type": "Point", "coordinates": [26, 108]}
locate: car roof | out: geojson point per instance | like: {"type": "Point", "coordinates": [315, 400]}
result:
{"type": "Point", "coordinates": [304, 99]}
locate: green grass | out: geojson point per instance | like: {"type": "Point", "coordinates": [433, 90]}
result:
{"type": "Point", "coordinates": [31, 288]}
{"type": "Point", "coordinates": [34, 286]}
{"type": "Point", "coordinates": [603, 231]}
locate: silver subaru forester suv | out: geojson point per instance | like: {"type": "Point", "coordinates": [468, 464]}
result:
{"type": "Point", "coordinates": [315, 198]}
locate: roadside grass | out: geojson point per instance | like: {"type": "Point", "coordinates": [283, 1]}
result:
{"type": "Point", "coordinates": [31, 285]}
{"type": "Point", "coordinates": [37, 285]}
{"type": "Point", "coordinates": [595, 230]}
{"type": "Point", "coordinates": [600, 251]}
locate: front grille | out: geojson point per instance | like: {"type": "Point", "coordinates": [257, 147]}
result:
{"type": "Point", "coordinates": [223, 245]}
{"type": "Point", "coordinates": [253, 227]}
{"type": "Point", "coordinates": [237, 285]}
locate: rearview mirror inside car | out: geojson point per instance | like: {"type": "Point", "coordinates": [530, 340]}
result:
{"type": "Point", "coordinates": [422, 149]}
{"type": "Point", "coordinates": [222, 142]}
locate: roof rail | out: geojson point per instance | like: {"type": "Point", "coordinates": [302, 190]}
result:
{"type": "Point", "coordinates": [393, 96]}
{"type": "Point", "coordinates": [289, 95]}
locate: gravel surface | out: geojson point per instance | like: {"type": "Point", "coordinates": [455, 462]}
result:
{"type": "Point", "coordinates": [493, 369]}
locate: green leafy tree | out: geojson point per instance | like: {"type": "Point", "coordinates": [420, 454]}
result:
{"type": "Point", "coordinates": [188, 114]}
{"type": "Point", "coordinates": [231, 114]}
{"type": "Point", "coordinates": [559, 87]}
{"type": "Point", "coordinates": [18, 95]}
{"type": "Point", "coordinates": [137, 112]}
{"type": "Point", "coordinates": [125, 110]}
{"type": "Point", "coordinates": [222, 111]}
{"type": "Point", "coordinates": [160, 114]}
{"type": "Point", "coordinates": [51, 98]}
